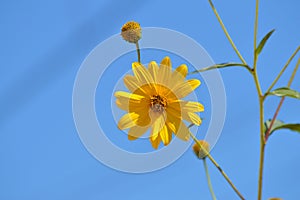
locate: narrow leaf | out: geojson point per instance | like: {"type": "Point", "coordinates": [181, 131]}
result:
{"type": "Point", "coordinates": [285, 92]}
{"type": "Point", "coordinates": [292, 127]}
{"type": "Point", "coordinates": [277, 125]}
{"type": "Point", "coordinates": [263, 42]}
{"type": "Point", "coordinates": [222, 65]}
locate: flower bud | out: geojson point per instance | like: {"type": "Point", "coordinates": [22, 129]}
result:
{"type": "Point", "coordinates": [201, 152]}
{"type": "Point", "coordinates": [131, 32]}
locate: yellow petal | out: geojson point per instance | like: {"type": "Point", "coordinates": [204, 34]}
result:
{"type": "Point", "coordinates": [166, 62]}
{"type": "Point", "coordinates": [186, 88]}
{"type": "Point", "coordinates": [144, 118]}
{"type": "Point", "coordinates": [174, 108]}
{"type": "Point", "coordinates": [136, 132]}
{"type": "Point", "coordinates": [191, 106]}
{"type": "Point", "coordinates": [173, 121]}
{"type": "Point", "coordinates": [178, 76]}
{"type": "Point", "coordinates": [121, 94]}
{"type": "Point", "coordinates": [155, 141]}
{"type": "Point", "coordinates": [164, 72]}
{"type": "Point", "coordinates": [165, 135]}
{"type": "Point", "coordinates": [142, 74]}
{"type": "Point", "coordinates": [182, 69]}
{"type": "Point", "coordinates": [123, 104]}
{"type": "Point", "coordinates": [157, 126]}
{"type": "Point", "coordinates": [127, 121]}
{"type": "Point", "coordinates": [153, 69]}
{"type": "Point", "coordinates": [126, 100]}
{"type": "Point", "coordinates": [132, 83]}
{"type": "Point", "coordinates": [192, 117]}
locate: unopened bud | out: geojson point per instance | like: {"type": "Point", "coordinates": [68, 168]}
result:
{"type": "Point", "coordinates": [201, 152]}
{"type": "Point", "coordinates": [131, 32]}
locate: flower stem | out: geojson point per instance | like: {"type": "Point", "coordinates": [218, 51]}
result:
{"type": "Point", "coordinates": [208, 180]}
{"type": "Point", "coordinates": [217, 166]}
{"type": "Point", "coordinates": [138, 51]}
{"type": "Point", "coordinates": [226, 33]}
{"type": "Point", "coordinates": [282, 70]}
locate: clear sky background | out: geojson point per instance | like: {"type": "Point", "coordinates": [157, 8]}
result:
{"type": "Point", "coordinates": [43, 44]}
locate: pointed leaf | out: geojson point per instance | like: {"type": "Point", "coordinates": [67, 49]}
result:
{"type": "Point", "coordinates": [277, 125]}
{"type": "Point", "coordinates": [285, 92]}
{"type": "Point", "coordinates": [263, 42]}
{"type": "Point", "coordinates": [221, 65]}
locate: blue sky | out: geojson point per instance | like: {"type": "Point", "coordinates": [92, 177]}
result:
{"type": "Point", "coordinates": [43, 44]}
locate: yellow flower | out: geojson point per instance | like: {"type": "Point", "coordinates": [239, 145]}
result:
{"type": "Point", "coordinates": [155, 102]}
{"type": "Point", "coordinates": [131, 32]}
{"type": "Point", "coordinates": [203, 151]}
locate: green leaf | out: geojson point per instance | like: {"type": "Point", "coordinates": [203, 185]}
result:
{"type": "Point", "coordinates": [285, 92]}
{"type": "Point", "coordinates": [222, 65]}
{"type": "Point", "coordinates": [277, 125]}
{"type": "Point", "coordinates": [263, 42]}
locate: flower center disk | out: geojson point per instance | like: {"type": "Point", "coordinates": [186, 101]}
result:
{"type": "Point", "coordinates": [158, 104]}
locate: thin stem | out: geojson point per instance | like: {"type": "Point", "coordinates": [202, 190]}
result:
{"type": "Point", "coordinates": [217, 166]}
{"type": "Point", "coordinates": [255, 33]}
{"type": "Point", "coordinates": [282, 70]}
{"type": "Point", "coordinates": [138, 51]}
{"type": "Point", "coordinates": [226, 32]}
{"type": "Point", "coordinates": [262, 148]}
{"type": "Point", "coordinates": [273, 119]}
{"type": "Point", "coordinates": [294, 73]}
{"type": "Point", "coordinates": [208, 180]}
{"type": "Point", "coordinates": [261, 168]}
{"type": "Point", "coordinates": [257, 84]}
{"type": "Point", "coordinates": [281, 101]}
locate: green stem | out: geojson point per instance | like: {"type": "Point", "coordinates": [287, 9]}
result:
{"type": "Point", "coordinates": [208, 180]}
{"type": "Point", "coordinates": [255, 33]}
{"type": "Point", "coordinates": [294, 73]}
{"type": "Point", "coordinates": [217, 166]}
{"type": "Point", "coordinates": [261, 107]}
{"type": "Point", "coordinates": [262, 148]}
{"type": "Point", "coordinates": [257, 84]}
{"type": "Point", "coordinates": [282, 70]}
{"type": "Point", "coordinates": [138, 51]}
{"type": "Point", "coordinates": [226, 33]}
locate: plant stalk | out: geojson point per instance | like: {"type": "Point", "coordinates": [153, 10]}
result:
{"type": "Point", "coordinates": [208, 180]}
{"type": "Point", "coordinates": [226, 32]}
{"type": "Point", "coordinates": [138, 51]}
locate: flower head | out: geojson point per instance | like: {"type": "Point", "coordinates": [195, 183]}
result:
{"type": "Point", "coordinates": [131, 32]}
{"type": "Point", "coordinates": [155, 102]}
{"type": "Point", "coordinates": [201, 152]}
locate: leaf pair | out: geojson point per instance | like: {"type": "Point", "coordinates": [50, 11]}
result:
{"type": "Point", "coordinates": [278, 125]}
